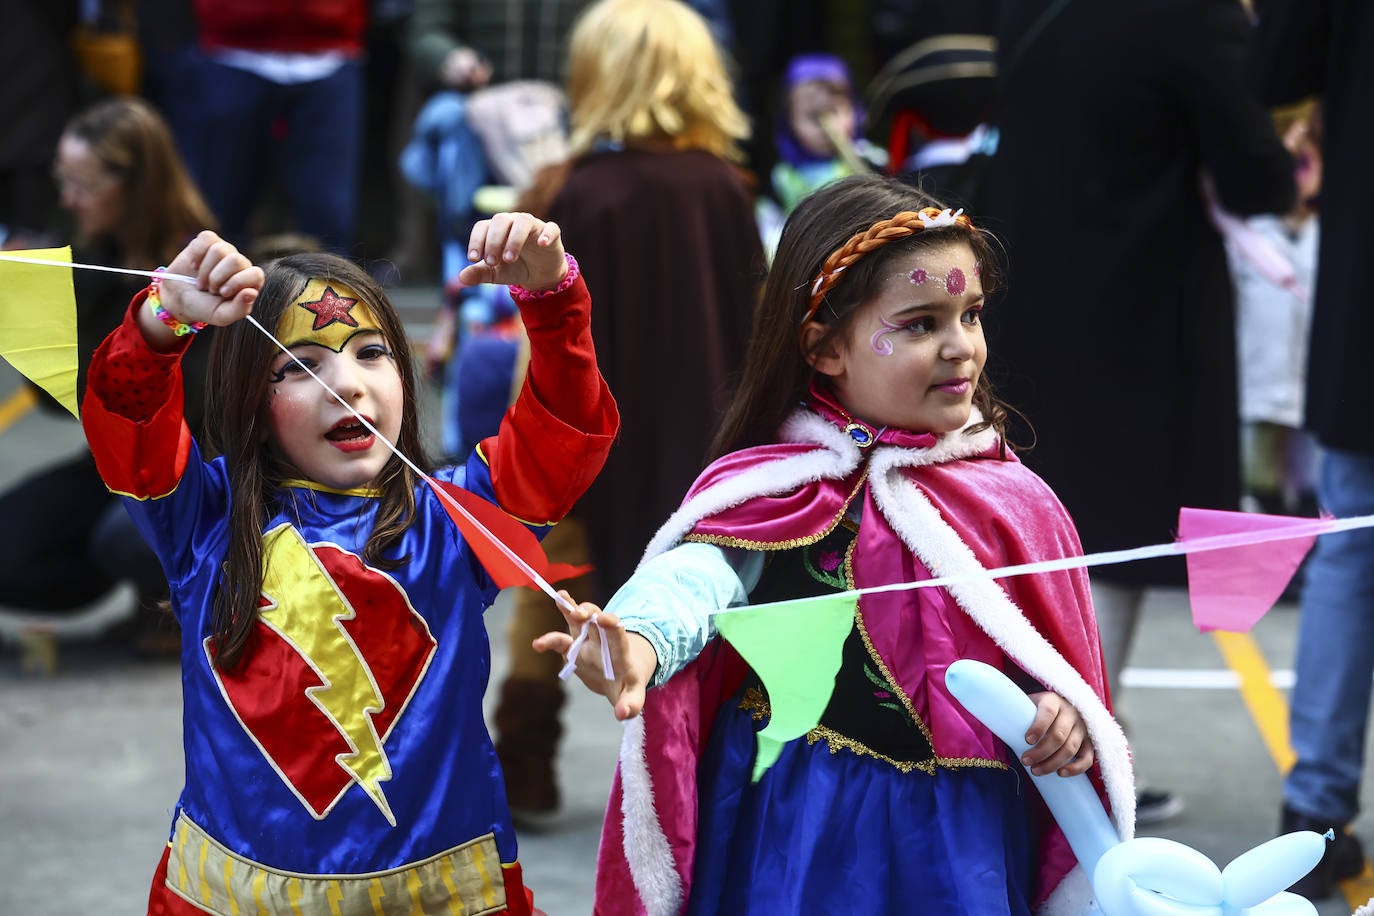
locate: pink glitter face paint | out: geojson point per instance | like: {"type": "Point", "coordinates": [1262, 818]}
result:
{"type": "Point", "coordinates": [879, 342]}
{"type": "Point", "coordinates": [954, 282]}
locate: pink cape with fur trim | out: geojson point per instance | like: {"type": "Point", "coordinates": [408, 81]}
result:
{"type": "Point", "coordinates": [926, 510]}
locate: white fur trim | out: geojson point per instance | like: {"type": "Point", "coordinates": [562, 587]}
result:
{"type": "Point", "coordinates": [1073, 896]}
{"type": "Point", "coordinates": [925, 532]}
{"type": "Point", "coordinates": [646, 848]}
{"type": "Point", "coordinates": [837, 457]}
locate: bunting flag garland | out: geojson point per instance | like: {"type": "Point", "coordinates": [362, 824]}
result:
{"type": "Point", "coordinates": [1238, 563]}
{"type": "Point", "coordinates": [1232, 589]}
{"type": "Point", "coordinates": [797, 665]}
{"type": "Point", "coordinates": [38, 321]}
{"type": "Point", "coordinates": [40, 342]}
{"type": "Point", "coordinates": [500, 527]}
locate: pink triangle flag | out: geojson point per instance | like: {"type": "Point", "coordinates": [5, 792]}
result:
{"type": "Point", "coordinates": [1232, 587]}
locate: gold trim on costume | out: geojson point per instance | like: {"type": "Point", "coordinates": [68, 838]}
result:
{"type": "Point", "coordinates": [302, 484]}
{"type": "Point", "coordinates": [211, 878]}
{"type": "Point", "coordinates": [724, 540]}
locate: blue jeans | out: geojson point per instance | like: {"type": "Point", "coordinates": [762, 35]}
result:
{"type": "Point", "coordinates": [311, 132]}
{"type": "Point", "coordinates": [1335, 665]}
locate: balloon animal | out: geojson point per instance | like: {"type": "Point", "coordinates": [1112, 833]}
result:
{"type": "Point", "coordinates": [1146, 876]}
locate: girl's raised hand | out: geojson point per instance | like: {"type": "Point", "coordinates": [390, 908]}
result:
{"type": "Point", "coordinates": [226, 287]}
{"type": "Point", "coordinates": [632, 657]}
{"type": "Point", "coordinates": [515, 248]}
{"type": "Point", "coordinates": [1057, 737]}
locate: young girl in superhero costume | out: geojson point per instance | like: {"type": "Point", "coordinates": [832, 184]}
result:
{"type": "Point", "coordinates": [334, 655]}
{"type": "Point", "coordinates": [863, 448]}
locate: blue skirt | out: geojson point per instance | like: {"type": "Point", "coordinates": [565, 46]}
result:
{"type": "Point", "coordinates": [825, 833]}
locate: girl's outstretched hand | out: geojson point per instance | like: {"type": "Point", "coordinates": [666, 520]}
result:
{"type": "Point", "coordinates": [632, 657]}
{"type": "Point", "coordinates": [226, 287]}
{"type": "Point", "coordinates": [515, 248]}
{"type": "Point", "coordinates": [1058, 738]}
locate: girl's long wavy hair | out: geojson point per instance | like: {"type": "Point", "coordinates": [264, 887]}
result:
{"type": "Point", "coordinates": [162, 206]}
{"type": "Point", "coordinates": [237, 427]}
{"type": "Point", "coordinates": [821, 232]}
{"type": "Point", "coordinates": [648, 71]}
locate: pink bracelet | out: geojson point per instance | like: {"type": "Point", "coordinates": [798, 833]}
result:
{"type": "Point", "coordinates": [526, 295]}
{"type": "Point", "coordinates": [179, 327]}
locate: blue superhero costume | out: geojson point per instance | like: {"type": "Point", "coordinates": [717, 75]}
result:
{"type": "Point", "coordinates": [344, 765]}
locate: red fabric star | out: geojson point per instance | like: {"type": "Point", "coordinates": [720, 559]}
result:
{"type": "Point", "coordinates": [331, 307]}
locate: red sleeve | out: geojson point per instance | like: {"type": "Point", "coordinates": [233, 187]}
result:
{"type": "Point", "coordinates": [132, 412]}
{"type": "Point", "coordinates": [555, 437]}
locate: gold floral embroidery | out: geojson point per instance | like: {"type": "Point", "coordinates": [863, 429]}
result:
{"type": "Point", "coordinates": [891, 681]}
{"type": "Point", "coordinates": [836, 741]}
{"type": "Point", "coordinates": [756, 704]}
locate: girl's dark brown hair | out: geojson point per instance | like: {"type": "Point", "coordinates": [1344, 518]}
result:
{"type": "Point", "coordinates": [776, 373]}
{"type": "Point", "coordinates": [162, 207]}
{"type": "Point", "coordinates": [237, 428]}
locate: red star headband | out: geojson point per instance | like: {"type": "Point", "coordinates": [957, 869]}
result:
{"type": "Point", "coordinates": [327, 313]}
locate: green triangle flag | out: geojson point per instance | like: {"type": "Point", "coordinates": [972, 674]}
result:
{"type": "Point", "coordinates": [795, 648]}
{"type": "Point", "coordinates": [38, 322]}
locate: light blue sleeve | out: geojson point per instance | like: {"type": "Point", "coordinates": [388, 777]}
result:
{"type": "Point", "coordinates": [670, 598]}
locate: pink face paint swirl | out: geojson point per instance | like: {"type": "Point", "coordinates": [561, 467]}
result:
{"type": "Point", "coordinates": [918, 276]}
{"type": "Point", "coordinates": [879, 342]}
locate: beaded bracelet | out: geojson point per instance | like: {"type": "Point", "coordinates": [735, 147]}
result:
{"type": "Point", "coordinates": [179, 327]}
{"type": "Point", "coordinates": [528, 295]}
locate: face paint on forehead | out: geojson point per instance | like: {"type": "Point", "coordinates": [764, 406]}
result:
{"type": "Point", "coordinates": [328, 313]}
{"type": "Point", "coordinates": [954, 282]}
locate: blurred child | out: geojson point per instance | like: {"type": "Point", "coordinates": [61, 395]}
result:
{"type": "Point", "coordinates": [1273, 320]}
{"type": "Point", "coordinates": [818, 134]}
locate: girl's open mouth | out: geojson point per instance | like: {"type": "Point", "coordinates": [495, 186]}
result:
{"type": "Point", "coordinates": [350, 436]}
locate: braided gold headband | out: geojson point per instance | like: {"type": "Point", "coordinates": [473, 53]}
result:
{"type": "Point", "coordinates": [903, 225]}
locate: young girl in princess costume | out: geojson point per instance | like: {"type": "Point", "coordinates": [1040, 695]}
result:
{"type": "Point", "coordinates": [863, 448]}
{"type": "Point", "coordinates": [334, 655]}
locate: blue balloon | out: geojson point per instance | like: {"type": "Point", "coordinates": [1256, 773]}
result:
{"type": "Point", "coordinates": [1146, 876]}
{"type": "Point", "coordinates": [1006, 710]}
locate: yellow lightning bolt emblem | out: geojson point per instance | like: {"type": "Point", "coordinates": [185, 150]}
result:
{"type": "Point", "coordinates": [349, 695]}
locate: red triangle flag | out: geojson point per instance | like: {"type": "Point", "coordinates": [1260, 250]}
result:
{"type": "Point", "coordinates": [504, 570]}
{"type": "Point", "coordinates": [1231, 588]}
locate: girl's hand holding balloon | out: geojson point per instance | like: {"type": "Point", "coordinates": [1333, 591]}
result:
{"type": "Point", "coordinates": [1058, 738]}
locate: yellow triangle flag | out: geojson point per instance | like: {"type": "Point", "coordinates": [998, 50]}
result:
{"type": "Point", "coordinates": [38, 321]}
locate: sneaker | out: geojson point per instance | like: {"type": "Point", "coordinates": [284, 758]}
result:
{"type": "Point", "coordinates": [1153, 806]}
{"type": "Point", "coordinates": [1343, 859]}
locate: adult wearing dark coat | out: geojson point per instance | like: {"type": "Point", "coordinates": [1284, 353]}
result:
{"type": "Point", "coordinates": [1116, 334]}
{"type": "Point", "coordinates": [671, 355]}
{"type": "Point", "coordinates": [662, 224]}
{"type": "Point", "coordinates": [1305, 48]}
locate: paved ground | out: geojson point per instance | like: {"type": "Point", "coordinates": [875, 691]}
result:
{"type": "Point", "coordinates": [92, 763]}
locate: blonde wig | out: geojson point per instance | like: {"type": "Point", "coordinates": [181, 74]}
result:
{"type": "Point", "coordinates": [648, 72]}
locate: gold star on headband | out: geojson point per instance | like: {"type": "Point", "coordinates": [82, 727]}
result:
{"type": "Point", "coordinates": [327, 313]}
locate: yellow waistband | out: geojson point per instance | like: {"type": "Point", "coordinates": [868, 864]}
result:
{"type": "Point", "coordinates": [464, 880]}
